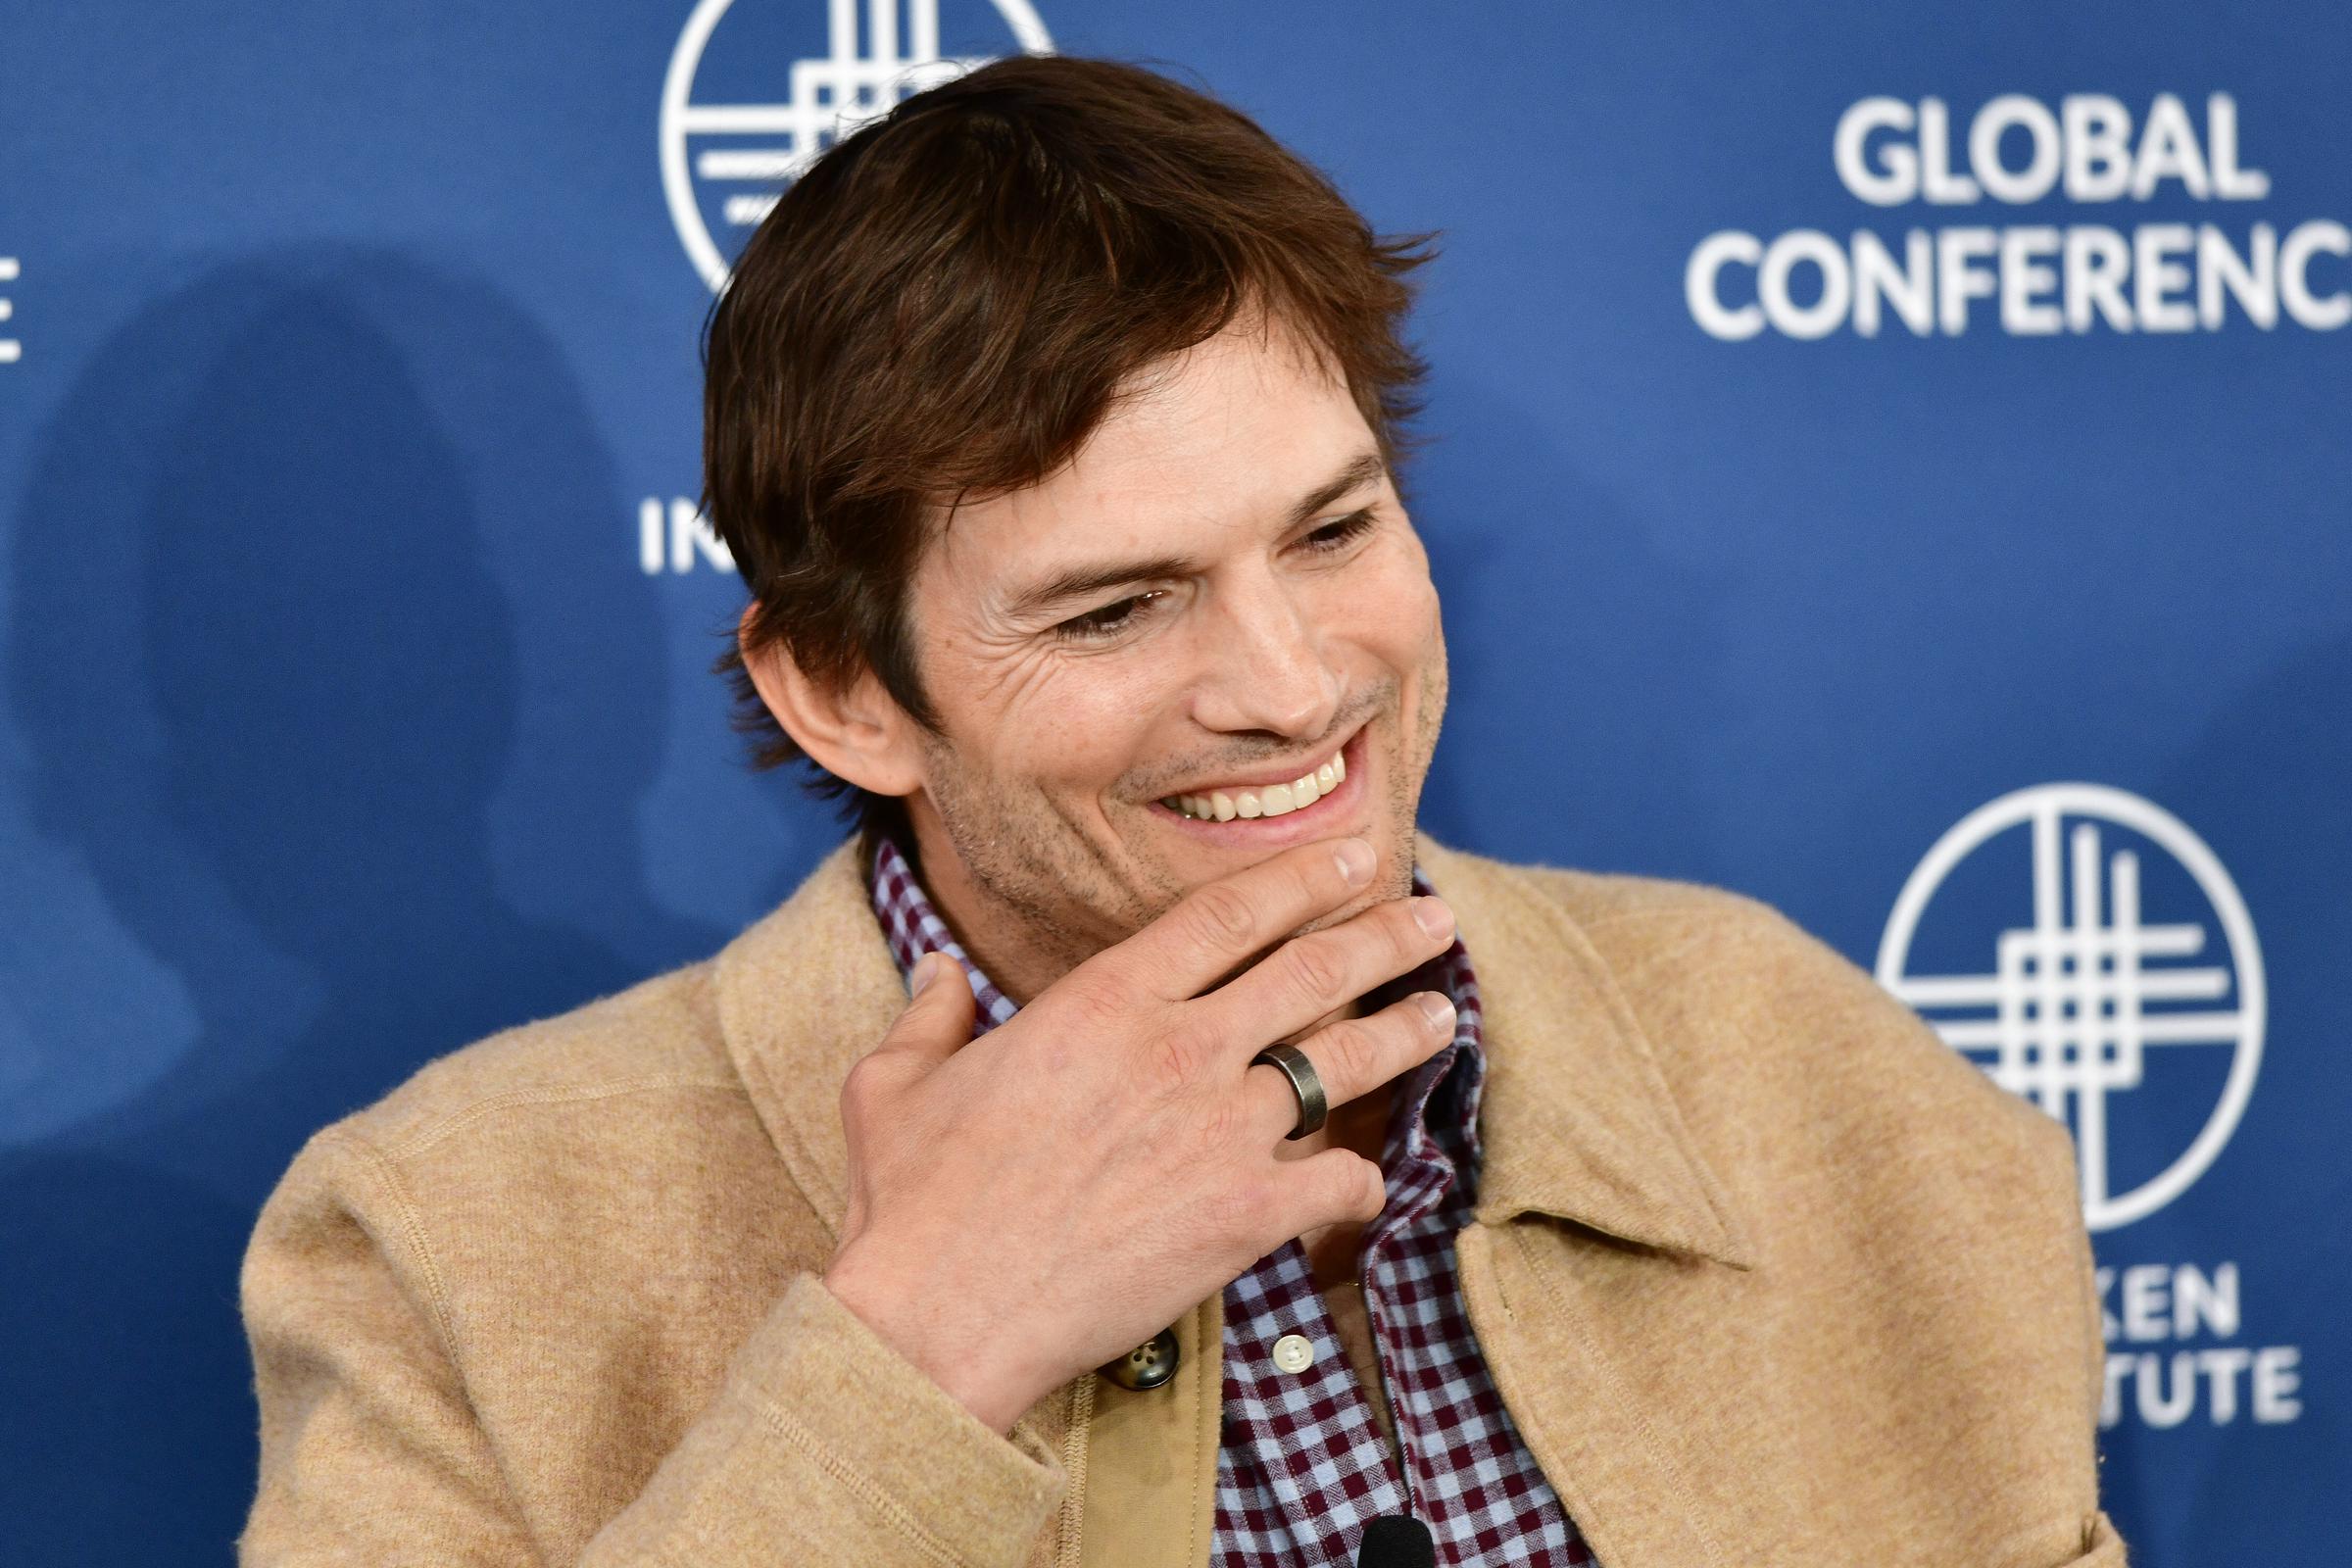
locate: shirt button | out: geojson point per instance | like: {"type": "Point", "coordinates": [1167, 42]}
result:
{"type": "Point", "coordinates": [1294, 1353]}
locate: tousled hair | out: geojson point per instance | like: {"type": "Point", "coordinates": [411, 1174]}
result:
{"type": "Point", "coordinates": [947, 303]}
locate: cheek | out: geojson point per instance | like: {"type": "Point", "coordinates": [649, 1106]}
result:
{"type": "Point", "coordinates": [1071, 727]}
{"type": "Point", "coordinates": [1395, 609]}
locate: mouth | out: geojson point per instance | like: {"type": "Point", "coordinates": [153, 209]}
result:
{"type": "Point", "coordinates": [1323, 792]}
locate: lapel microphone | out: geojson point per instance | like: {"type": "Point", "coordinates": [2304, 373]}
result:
{"type": "Point", "coordinates": [1396, 1541]}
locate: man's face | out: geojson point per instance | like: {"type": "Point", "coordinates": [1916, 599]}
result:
{"type": "Point", "coordinates": [1136, 662]}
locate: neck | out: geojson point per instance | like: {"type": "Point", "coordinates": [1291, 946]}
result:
{"type": "Point", "coordinates": [1021, 950]}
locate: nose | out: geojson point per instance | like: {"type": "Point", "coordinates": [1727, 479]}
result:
{"type": "Point", "coordinates": [1265, 668]}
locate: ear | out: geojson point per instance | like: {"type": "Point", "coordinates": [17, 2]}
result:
{"type": "Point", "coordinates": [857, 732]}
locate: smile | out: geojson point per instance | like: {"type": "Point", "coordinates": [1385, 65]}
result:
{"type": "Point", "coordinates": [1246, 801]}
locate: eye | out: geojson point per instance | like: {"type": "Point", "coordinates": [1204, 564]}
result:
{"type": "Point", "coordinates": [1339, 532]}
{"type": "Point", "coordinates": [1106, 621]}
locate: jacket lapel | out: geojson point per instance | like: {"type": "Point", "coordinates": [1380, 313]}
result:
{"type": "Point", "coordinates": [1585, 1152]}
{"type": "Point", "coordinates": [1576, 1122]}
{"type": "Point", "coordinates": [1577, 1126]}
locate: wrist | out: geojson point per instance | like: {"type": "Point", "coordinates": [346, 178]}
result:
{"type": "Point", "coordinates": [965, 1359]}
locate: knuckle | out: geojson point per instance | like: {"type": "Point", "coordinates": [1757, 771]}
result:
{"type": "Point", "coordinates": [1193, 1037]}
{"type": "Point", "coordinates": [1316, 969]}
{"type": "Point", "coordinates": [1094, 1006]}
{"type": "Point", "coordinates": [860, 1088]}
{"type": "Point", "coordinates": [1352, 1057]}
{"type": "Point", "coordinates": [1347, 1185]}
{"type": "Point", "coordinates": [1174, 1056]}
{"type": "Point", "coordinates": [1222, 914]}
{"type": "Point", "coordinates": [1333, 1190]}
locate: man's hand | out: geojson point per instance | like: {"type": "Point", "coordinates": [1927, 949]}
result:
{"type": "Point", "coordinates": [1029, 1204]}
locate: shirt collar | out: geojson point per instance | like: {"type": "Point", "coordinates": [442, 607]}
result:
{"type": "Point", "coordinates": [912, 928]}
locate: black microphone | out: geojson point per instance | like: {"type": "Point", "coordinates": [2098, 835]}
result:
{"type": "Point", "coordinates": [1396, 1541]}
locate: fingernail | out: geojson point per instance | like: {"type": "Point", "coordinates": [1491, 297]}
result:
{"type": "Point", "coordinates": [1355, 857]}
{"type": "Point", "coordinates": [927, 968]}
{"type": "Point", "coordinates": [1436, 1007]}
{"type": "Point", "coordinates": [1431, 916]}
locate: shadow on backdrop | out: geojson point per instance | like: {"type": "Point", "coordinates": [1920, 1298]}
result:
{"type": "Point", "coordinates": [333, 534]}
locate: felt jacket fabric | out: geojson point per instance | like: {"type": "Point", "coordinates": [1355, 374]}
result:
{"type": "Point", "coordinates": [1766, 1274]}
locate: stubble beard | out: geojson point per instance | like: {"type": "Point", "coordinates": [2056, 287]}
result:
{"type": "Point", "coordinates": [1063, 896]}
{"type": "Point", "coordinates": [1032, 867]}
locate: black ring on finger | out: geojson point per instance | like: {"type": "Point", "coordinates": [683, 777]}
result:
{"type": "Point", "coordinates": [1306, 1083]}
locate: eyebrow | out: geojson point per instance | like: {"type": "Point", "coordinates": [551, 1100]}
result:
{"type": "Point", "coordinates": [1079, 581]}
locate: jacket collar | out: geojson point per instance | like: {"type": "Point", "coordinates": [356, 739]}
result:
{"type": "Point", "coordinates": [1576, 1121]}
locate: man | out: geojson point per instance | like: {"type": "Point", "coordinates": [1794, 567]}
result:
{"type": "Point", "coordinates": [1247, 1180]}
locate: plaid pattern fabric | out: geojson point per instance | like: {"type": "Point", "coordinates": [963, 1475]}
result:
{"type": "Point", "coordinates": [1301, 1467]}
{"type": "Point", "coordinates": [913, 928]}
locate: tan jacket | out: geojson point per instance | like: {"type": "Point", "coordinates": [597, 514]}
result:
{"type": "Point", "coordinates": [1765, 1273]}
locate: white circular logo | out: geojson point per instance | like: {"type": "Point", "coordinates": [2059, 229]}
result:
{"type": "Point", "coordinates": [2086, 990]}
{"type": "Point", "coordinates": [733, 157]}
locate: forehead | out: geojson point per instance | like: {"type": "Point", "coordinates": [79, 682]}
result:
{"type": "Point", "coordinates": [1224, 436]}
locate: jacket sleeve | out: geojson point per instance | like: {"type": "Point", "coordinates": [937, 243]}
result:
{"type": "Point", "coordinates": [822, 1446]}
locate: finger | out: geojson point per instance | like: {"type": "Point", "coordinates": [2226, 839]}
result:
{"type": "Point", "coordinates": [1352, 1057]}
{"type": "Point", "coordinates": [1309, 976]}
{"type": "Point", "coordinates": [938, 1020]}
{"type": "Point", "coordinates": [1219, 925]}
{"type": "Point", "coordinates": [1334, 1186]}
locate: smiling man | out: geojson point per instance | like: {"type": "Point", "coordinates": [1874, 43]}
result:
{"type": "Point", "coordinates": [1138, 1144]}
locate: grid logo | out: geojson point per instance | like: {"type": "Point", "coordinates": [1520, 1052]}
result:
{"type": "Point", "coordinates": [728, 160]}
{"type": "Point", "coordinates": [2081, 997]}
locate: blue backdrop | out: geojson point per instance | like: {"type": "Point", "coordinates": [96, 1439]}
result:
{"type": "Point", "coordinates": [1844, 422]}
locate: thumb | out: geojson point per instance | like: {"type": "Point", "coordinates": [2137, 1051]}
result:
{"type": "Point", "coordinates": [938, 1020]}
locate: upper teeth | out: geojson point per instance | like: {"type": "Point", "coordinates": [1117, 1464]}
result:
{"type": "Point", "coordinates": [1266, 800]}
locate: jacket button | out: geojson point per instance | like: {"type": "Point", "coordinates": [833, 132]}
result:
{"type": "Point", "coordinates": [1149, 1365]}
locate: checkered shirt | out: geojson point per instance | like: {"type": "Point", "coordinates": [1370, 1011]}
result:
{"type": "Point", "coordinates": [1301, 1467]}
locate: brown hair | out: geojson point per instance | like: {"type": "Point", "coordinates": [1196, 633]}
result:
{"type": "Point", "coordinates": [946, 303]}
